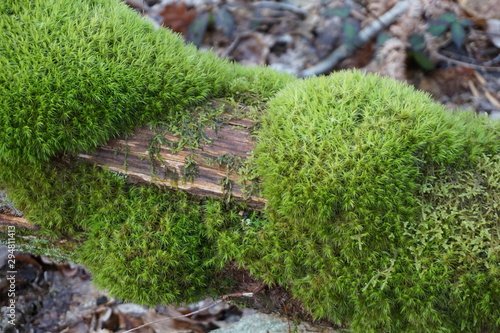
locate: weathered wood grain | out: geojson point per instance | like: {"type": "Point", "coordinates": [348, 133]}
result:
{"type": "Point", "coordinates": [130, 156]}
{"type": "Point", "coordinates": [15, 221]}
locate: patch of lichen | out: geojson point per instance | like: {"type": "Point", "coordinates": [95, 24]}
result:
{"type": "Point", "coordinates": [382, 207]}
{"type": "Point", "coordinates": [75, 74]}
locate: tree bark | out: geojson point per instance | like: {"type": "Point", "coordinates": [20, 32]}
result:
{"type": "Point", "coordinates": [16, 221]}
{"type": "Point", "coordinates": [130, 156]}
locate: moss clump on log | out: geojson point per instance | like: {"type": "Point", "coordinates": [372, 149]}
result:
{"type": "Point", "coordinates": [383, 208]}
{"type": "Point", "coordinates": [141, 243]}
{"type": "Point", "coordinates": [76, 73]}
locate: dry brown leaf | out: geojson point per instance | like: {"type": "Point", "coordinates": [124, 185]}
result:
{"type": "Point", "coordinates": [448, 82]}
{"type": "Point", "coordinates": [177, 16]}
{"type": "Point", "coordinates": [390, 60]}
{"type": "Point", "coordinates": [484, 9]}
{"type": "Point", "coordinates": [493, 30]}
{"type": "Point", "coordinates": [252, 49]}
{"type": "Point", "coordinates": [129, 322]}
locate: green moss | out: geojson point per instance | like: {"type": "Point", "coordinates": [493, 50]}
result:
{"type": "Point", "coordinates": [61, 197]}
{"type": "Point", "coordinates": [154, 252]}
{"type": "Point", "coordinates": [141, 243]}
{"type": "Point", "coordinates": [382, 206]}
{"type": "Point", "coordinates": [59, 252]}
{"type": "Point", "coordinates": [75, 74]}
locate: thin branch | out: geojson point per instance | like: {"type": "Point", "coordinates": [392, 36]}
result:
{"type": "Point", "coordinates": [222, 299]}
{"type": "Point", "coordinates": [363, 37]}
{"type": "Point", "coordinates": [235, 43]}
{"type": "Point", "coordinates": [465, 64]}
{"type": "Point", "coordinates": [181, 316]}
{"type": "Point", "coordinates": [281, 6]}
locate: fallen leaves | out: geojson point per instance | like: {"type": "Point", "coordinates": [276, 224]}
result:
{"type": "Point", "coordinates": [178, 17]}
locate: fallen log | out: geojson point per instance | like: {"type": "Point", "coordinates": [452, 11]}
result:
{"type": "Point", "coordinates": [382, 206]}
{"type": "Point", "coordinates": [212, 173]}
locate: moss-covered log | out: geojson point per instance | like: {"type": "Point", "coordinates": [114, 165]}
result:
{"type": "Point", "coordinates": [382, 208]}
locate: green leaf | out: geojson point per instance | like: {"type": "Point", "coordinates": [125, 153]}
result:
{"type": "Point", "coordinates": [448, 17]}
{"type": "Point", "coordinates": [350, 32]}
{"type": "Point", "coordinates": [457, 34]}
{"type": "Point", "coordinates": [196, 30]}
{"type": "Point", "coordinates": [422, 60]}
{"type": "Point", "coordinates": [466, 23]}
{"type": "Point", "coordinates": [343, 12]}
{"type": "Point", "coordinates": [382, 38]}
{"type": "Point", "coordinates": [417, 42]}
{"type": "Point", "coordinates": [437, 29]}
{"type": "Point", "coordinates": [224, 21]}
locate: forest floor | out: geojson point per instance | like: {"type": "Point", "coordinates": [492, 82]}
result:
{"type": "Point", "coordinates": [451, 49]}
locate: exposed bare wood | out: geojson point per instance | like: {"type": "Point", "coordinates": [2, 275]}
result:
{"type": "Point", "coordinates": [130, 156]}
{"type": "Point", "coordinates": [15, 221]}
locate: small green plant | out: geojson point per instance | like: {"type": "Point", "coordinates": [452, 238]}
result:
{"type": "Point", "coordinates": [191, 169]}
{"type": "Point", "coordinates": [350, 26]}
{"type": "Point", "coordinates": [449, 21]}
{"type": "Point", "coordinates": [219, 18]}
{"type": "Point", "coordinates": [233, 164]}
{"type": "Point", "coordinates": [418, 53]}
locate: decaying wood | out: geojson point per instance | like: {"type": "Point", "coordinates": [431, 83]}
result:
{"type": "Point", "coordinates": [15, 221]}
{"type": "Point", "coordinates": [130, 156]}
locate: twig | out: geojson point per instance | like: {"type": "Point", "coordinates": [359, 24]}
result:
{"type": "Point", "coordinates": [181, 316]}
{"type": "Point", "coordinates": [288, 318]}
{"type": "Point", "coordinates": [139, 5]}
{"type": "Point", "coordinates": [235, 43]}
{"type": "Point", "coordinates": [281, 6]}
{"type": "Point", "coordinates": [363, 37]}
{"type": "Point", "coordinates": [465, 64]}
{"type": "Point", "coordinates": [222, 299]}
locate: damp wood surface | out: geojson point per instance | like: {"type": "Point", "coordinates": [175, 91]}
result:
{"type": "Point", "coordinates": [16, 221]}
{"type": "Point", "coordinates": [130, 155]}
